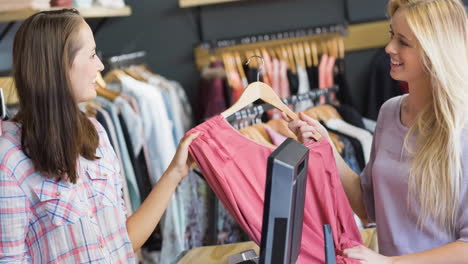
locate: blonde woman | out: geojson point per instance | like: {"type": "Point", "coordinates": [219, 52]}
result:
{"type": "Point", "coordinates": [415, 185]}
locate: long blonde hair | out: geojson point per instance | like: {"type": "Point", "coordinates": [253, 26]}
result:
{"type": "Point", "coordinates": [435, 178]}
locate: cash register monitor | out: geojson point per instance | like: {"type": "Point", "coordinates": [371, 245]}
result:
{"type": "Point", "coordinates": [284, 203]}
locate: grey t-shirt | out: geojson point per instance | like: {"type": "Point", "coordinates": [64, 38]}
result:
{"type": "Point", "coordinates": [384, 182]}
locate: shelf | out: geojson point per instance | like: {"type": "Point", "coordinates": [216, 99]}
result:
{"type": "Point", "coordinates": [193, 3]}
{"type": "Point", "coordinates": [360, 37]}
{"type": "Point", "coordinates": [367, 35]}
{"type": "Point", "coordinates": [93, 12]}
{"type": "Point", "coordinates": [9, 90]}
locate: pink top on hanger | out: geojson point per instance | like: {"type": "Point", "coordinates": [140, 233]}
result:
{"type": "Point", "coordinates": [330, 73]}
{"type": "Point", "coordinates": [235, 168]}
{"type": "Point", "coordinates": [275, 74]}
{"type": "Point", "coordinates": [323, 75]}
{"type": "Point", "coordinates": [237, 88]}
{"type": "Point", "coordinates": [283, 81]}
{"type": "Point", "coordinates": [267, 72]}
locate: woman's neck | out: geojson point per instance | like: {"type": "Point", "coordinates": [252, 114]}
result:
{"type": "Point", "coordinates": [419, 97]}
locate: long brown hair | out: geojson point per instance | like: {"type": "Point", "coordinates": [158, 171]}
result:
{"type": "Point", "coordinates": [54, 131]}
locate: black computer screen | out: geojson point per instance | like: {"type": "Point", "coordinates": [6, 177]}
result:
{"type": "Point", "coordinates": [284, 203]}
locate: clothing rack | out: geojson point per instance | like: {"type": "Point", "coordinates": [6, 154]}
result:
{"type": "Point", "coordinates": [124, 60]}
{"type": "Point", "coordinates": [310, 31]}
{"type": "Point", "coordinates": [294, 99]}
{"type": "Point", "coordinates": [355, 36]}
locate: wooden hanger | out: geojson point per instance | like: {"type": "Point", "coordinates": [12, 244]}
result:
{"type": "Point", "coordinates": [341, 48]}
{"type": "Point", "coordinates": [253, 92]}
{"type": "Point", "coordinates": [324, 47]}
{"type": "Point", "coordinates": [329, 44]}
{"type": "Point", "coordinates": [272, 53]}
{"type": "Point", "coordinates": [308, 53]}
{"type": "Point", "coordinates": [101, 89]}
{"type": "Point", "coordinates": [240, 69]}
{"type": "Point", "coordinates": [315, 60]}
{"type": "Point", "coordinates": [323, 112]}
{"type": "Point", "coordinates": [227, 67]}
{"type": "Point", "coordinates": [114, 76]}
{"type": "Point", "coordinates": [135, 74]}
{"type": "Point", "coordinates": [9, 90]}
{"type": "Point", "coordinates": [248, 54]}
{"type": "Point", "coordinates": [279, 55]}
{"type": "Point", "coordinates": [302, 56]}
{"type": "Point", "coordinates": [334, 47]}
{"type": "Point", "coordinates": [282, 56]}
{"type": "Point", "coordinates": [291, 58]}
{"type": "Point", "coordinates": [296, 54]}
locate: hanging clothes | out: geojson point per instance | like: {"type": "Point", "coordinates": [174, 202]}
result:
{"type": "Point", "coordinates": [364, 136]}
{"type": "Point", "coordinates": [212, 94]}
{"type": "Point", "coordinates": [381, 86]}
{"type": "Point", "coordinates": [235, 169]}
{"type": "Point", "coordinates": [275, 77]}
{"type": "Point", "coordinates": [158, 136]}
{"type": "Point", "coordinates": [293, 81]}
{"type": "Point", "coordinates": [127, 164]}
{"type": "Point", "coordinates": [344, 93]}
{"type": "Point", "coordinates": [283, 80]}
{"type": "Point", "coordinates": [350, 115]}
{"type": "Point", "coordinates": [330, 75]}
{"type": "Point", "coordinates": [369, 124]}
{"type": "Point", "coordinates": [197, 210]}
{"type": "Point", "coordinates": [312, 73]}
{"type": "Point", "coordinates": [323, 75]}
{"type": "Point", "coordinates": [304, 87]}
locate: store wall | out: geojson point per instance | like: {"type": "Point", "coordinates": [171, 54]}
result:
{"type": "Point", "coordinates": [168, 33]}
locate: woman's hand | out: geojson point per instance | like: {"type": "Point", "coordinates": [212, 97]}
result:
{"type": "Point", "coordinates": [181, 162]}
{"type": "Point", "coordinates": [306, 128]}
{"type": "Point", "coordinates": [366, 256]}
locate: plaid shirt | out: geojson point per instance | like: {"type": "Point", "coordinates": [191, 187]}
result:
{"type": "Point", "coordinates": [44, 221]}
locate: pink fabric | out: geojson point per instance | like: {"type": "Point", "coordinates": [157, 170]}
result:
{"type": "Point", "coordinates": [276, 138]}
{"type": "Point", "coordinates": [237, 88]}
{"type": "Point", "coordinates": [268, 71]}
{"type": "Point", "coordinates": [322, 71]}
{"type": "Point", "coordinates": [329, 76]}
{"type": "Point", "coordinates": [284, 83]}
{"type": "Point", "coordinates": [329, 71]}
{"type": "Point", "coordinates": [235, 168]}
{"type": "Point", "coordinates": [277, 87]}
{"type": "Point", "coordinates": [276, 77]}
{"type": "Point", "coordinates": [323, 75]}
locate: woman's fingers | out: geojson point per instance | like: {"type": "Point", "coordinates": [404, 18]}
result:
{"type": "Point", "coordinates": [309, 120]}
{"type": "Point", "coordinates": [355, 253]}
{"type": "Point", "coordinates": [285, 117]}
{"type": "Point", "coordinates": [294, 126]}
{"type": "Point", "coordinates": [186, 141]}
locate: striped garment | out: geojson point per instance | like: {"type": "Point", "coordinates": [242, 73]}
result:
{"type": "Point", "coordinates": [44, 221]}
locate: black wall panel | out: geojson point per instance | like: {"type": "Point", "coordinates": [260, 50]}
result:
{"type": "Point", "coordinates": [265, 16]}
{"type": "Point", "coordinates": [359, 11]}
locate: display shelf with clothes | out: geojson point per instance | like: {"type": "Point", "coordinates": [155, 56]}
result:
{"type": "Point", "coordinates": [292, 66]}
